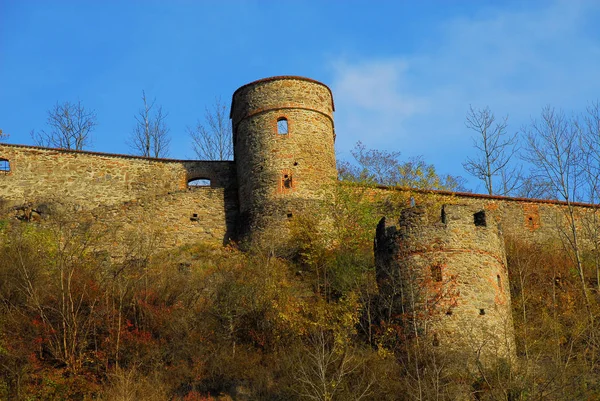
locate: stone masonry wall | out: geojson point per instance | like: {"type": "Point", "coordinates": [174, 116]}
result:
{"type": "Point", "coordinates": [93, 179]}
{"type": "Point", "coordinates": [124, 193]}
{"type": "Point", "coordinates": [533, 221]}
{"type": "Point", "coordinates": [175, 219]}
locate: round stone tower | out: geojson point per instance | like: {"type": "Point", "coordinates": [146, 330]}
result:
{"type": "Point", "coordinates": [283, 138]}
{"type": "Point", "coordinates": [447, 280]}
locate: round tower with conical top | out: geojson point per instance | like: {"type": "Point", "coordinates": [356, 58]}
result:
{"type": "Point", "coordinates": [283, 138]}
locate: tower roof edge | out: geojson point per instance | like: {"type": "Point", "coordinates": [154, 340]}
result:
{"type": "Point", "coordinates": [278, 78]}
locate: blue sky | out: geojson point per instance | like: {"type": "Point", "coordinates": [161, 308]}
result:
{"type": "Point", "coordinates": [403, 73]}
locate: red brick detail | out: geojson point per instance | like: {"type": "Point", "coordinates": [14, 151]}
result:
{"type": "Point", "coordinates": [532, 216]}
{"type": "Point", "coordinates": [287, 182]}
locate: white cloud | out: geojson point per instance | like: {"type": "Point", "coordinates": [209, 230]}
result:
{"type": "Point", "coordinates": [371, 100]}
{"type": "Point", "coordinates": [513, 61]}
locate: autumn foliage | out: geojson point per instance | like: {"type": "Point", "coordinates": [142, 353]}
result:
{"type": "Point", "coordinates": [298, 321]}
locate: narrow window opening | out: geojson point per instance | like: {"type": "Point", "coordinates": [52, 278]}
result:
{"type": "Point", "coordinates": [4, 166]}
{"type": "Point", "coordinates": [290, 215]}
{"type": "Point", "coordinates": [436, 273]}
{"type": "Point", "coordinates": [295, 163]}
{"type": "Point", "coordinates": [282, 126]}
{"type": "Point", "coordinates": [194, 217]}
{"type": "Point", "coordinates": [199, 183]}
{"type": "Point", "coordinates": [499, 281]}
{"type": "Point", "coordinates": [482, 312]}
{"type": "Point", "coordinates": [287, 181]}
{"type": "Point", "coordinates": [443, 216]}
{"type": "Point", "coordinates": [479, 219]}
{"type": "Point", "coordinates": [449, 312]}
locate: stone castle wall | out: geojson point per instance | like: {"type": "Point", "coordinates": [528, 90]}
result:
{"type": "Point", "coordinates": [93, 179]}
{"type": "Point", "coordinates": [177, 218]}
{"type": "Point", "coordinates": [126, 193]}
{"type": "Point", "coordinates": [532, 221]}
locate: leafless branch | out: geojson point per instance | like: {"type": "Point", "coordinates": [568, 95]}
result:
{"type": "Point", "coordinates": [495, 149]}
{"type": "Point", "coordinates": [70, 126]}
{"type": "Point", "coordinates": [150, 136]}
{"type": "Point", "coordinates": [212, 139]}
{"type": "Point", "coordinates": [555, 151]}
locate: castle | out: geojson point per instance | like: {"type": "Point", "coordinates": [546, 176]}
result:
{"type": "Point", "coordinates": [284, 163]}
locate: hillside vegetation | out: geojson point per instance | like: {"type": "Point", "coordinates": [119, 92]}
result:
{"type": "Point", "coordinates": [283, 320]}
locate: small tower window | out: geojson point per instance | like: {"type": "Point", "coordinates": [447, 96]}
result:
{"type": "Point", "coordinates": [436, 273]}
{"type": "Point", "coordinates": [479, 219]}
{"type": "Point", "coordinates": [4, 166]}
{"type": "Point", "coordinates": [286, 183]}
{"type": "Point", "coordinates": [282, 126]}
{"type": "Point", "coordinates": [499, 281]}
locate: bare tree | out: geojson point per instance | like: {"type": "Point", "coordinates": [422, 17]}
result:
{"type": "Point", "coordinates": [70, 126]}
{"type": "Point", "coordinates": [3, 136]}
{"type": "Point", "coordinates": [150, 136]}
{"type": "Point", "coordinates": [555, 151]}
{"type": "Point", "coordinates": [212, 139]}
{"type": "Point", "coordinates": [535, 187]}
{"type": "Point", "coordinates": [383, 167]}
{"type": "Point", "coordinates": [590, 134]}
{"type": "Point", "coordinates": [326, 367]}
{"type": "Point", "coordinates": [495, 149]}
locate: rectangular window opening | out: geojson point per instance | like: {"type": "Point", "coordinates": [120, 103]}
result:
{"type": "Point", "coordinates": [287, 181]}
{"type": "Point", "coordinates": [479, 219]}
{"type": "Point", "coordinates": [4, 166]}
{"type": "Point", "coordinates": [282, 126]}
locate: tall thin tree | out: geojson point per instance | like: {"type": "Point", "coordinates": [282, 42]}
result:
{"type": "Point", "coordinates": [150, 136]}
{"type": "Point", "coordinates": [554, 150]}
{"type": "Point", "coordinates": [212, 139]}
{"type": "Point", "coordinates": [495, 148]}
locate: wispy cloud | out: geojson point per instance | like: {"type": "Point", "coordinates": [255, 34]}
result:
{"type": "Point", "coordinates": [515, 61]}
{"type": "Point", "coordinates": [371, 98]}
